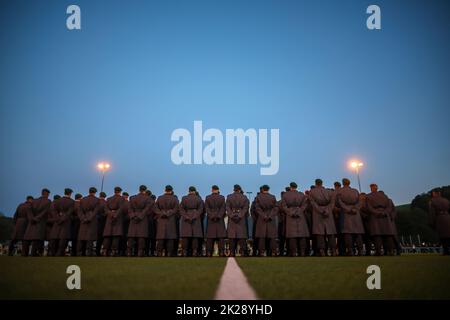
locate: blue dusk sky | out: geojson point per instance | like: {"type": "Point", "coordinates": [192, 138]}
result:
{"type": "Point", "coordinates": [137, 70]}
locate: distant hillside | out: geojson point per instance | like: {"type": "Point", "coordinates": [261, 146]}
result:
{"type": "Point", "coordinates": [412, 222]}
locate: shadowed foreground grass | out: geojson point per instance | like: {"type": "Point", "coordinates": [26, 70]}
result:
{"type": "Point", "coordinates": [405, 277]}
{"type": "Point", "coordinates": [110, 278]}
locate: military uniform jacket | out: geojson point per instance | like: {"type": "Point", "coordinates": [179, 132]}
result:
{"type": "Point", "coordinates": [440, 216]}
{"type": "Point", "coordinates": [267, 211]}
{"type": "Point", "coordinates": [191, 210]}
{"type": "Point", "coordinates": [20, 221]}
{"type": "Point", "coordinates": [51, 218]}
{"type": "Point", "coordinates": [350, 210]}
{"type": "Point", "coordinates": [237, 206]}
{"type": "Point", "coordinates": [126, 216]}
{"type": "Point", "coordinates": [215, 210]}
{"type": "Point", "coordinates": [63, 222]}
{"type": "Point", "coordinates": [114, 216]}
{"type": "Point", "coordinates": [322, 204]}
{"type": "Point", "coordinates": [166, 215]}
{"type": "Point", "coordinates": [101, 217]}
{"type": "Point", "coordinates": [294, 205]}
{"type": "Point", "coordinates": [378, 206]}
{"type": "Point", "coordinates": [141, 207]}
{"type": "Point", "coordinates": [37, 219]}
{"type": "Point", "coordinates": [75, 227]}
{"type": "Point", "coordinates": [87, 213]}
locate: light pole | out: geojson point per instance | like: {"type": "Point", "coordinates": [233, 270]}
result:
{"type": "Point", "coordinates": [356, 165]}
{"type": "Point", "coordinates": [103, 167]}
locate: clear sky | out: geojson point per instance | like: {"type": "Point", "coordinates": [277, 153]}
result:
{"type": "Point", "coordinates": [116, 89]}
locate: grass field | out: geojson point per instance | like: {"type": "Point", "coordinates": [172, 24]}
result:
{"type": "Point", "coordinates": [405, 277]}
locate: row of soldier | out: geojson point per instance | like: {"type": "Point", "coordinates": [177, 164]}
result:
{"type": "Point", "coordinates": [323, 221]}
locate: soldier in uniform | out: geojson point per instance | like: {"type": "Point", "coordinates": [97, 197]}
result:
{"type": "Point", "coordinates": [215, 210]}
{"type": "Point", "coordinates": [101, 221]}
{"type": "Point", "coordinates": [254, 217]}
{"type": "Point", "coordinates": [63, 223]}
{"type": "Point", "coordinates": [322, 204]}
{"type": "Point", "coordinates": [87, 214]}
{"type": "Point", "coordinates": [282, 245]}
{"type": "Point", "coordinates": [151, 241]}
{"type": "Point", "coordinates": [75, 227]}
{"type": "Point", "coordinates": [352, 227]}
{"type": "Point", "coordinates": [294, 204]}
{"type": "Point", "coordinates": [380, 227]}
{"type": "Point", "coordinates": [20, 223]}
{"type": "Point", "coordinates": [191, 209]}
{"type": "Point", "coordinates": [141, 208]}
{"type": "Point", "coordinates": [365, 219]}
{"type": "Point", "coordinates": [51, 218]}
{"type": "Point", "coordinates": [126, 224]}
{"type": "Point", "coordinates": [114, 223]}
{"type": "Point", "coordinates": [37, 220]}
{"type": "Point", "coordinates": [237, 206]}
{"type": "Point", "coordinates": [338, 221]}
{"type": "Point", "coordinates": [166, 211]}
{"type": "Point", "coordinates": [266, 227]}
{"type": "Point", "coordinates": [440, 218]}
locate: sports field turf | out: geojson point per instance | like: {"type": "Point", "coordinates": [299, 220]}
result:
{"type": "Point", "coordinates": [110, 278]}
{"type": "Point", "coordinates": [405, 277]}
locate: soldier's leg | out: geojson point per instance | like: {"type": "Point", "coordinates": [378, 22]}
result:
{"type": "Point", "coordinates": [261, 246]}
{"type": "Point", "coordinates": [106, 246]}
{"type": "Point", "coordinates": [232, 243]}
{"type": "Point", "coordinates": [171, 248]}
{"type": "Point", "coordinates": [130, 246]}
{"type": "Point", "coordinates": [36, 248]}
{"type": "Point", "coordinates": [292, 247]}
{"type": "Point", "coordinates": [89, 248]}
{"type": "Point", "coordinates": [11, 247]}
{"type": "Point", "coordinates": [221, 246]}
{"type": "Point", "coordinates": [397, 245]}
{"type": "Point", "coordinates": [80, 248]}
{"type": "Point", "coordinates": [210, 247]}
{"type": "Point", "coordinates": [320, 245]}
{"type": "Point", "coordinates": [25, 248]}
{"type": "Point", "coordinates": [273, 246]}
{"type": "Point", "coordinates": [195, 245]}
{"type": "Point", "coordinates": [243, 247]}
{"type": "Point", "coordinates": [62, 244]}
{"type": "Point", "coordinates": [159, 247]}
{"type": "Point", "coordinates": [378, 241]}
{"type": "Point", "coordinates": [302, 247]}
{"type": "Point", "coordinates": [184, 246]}
{"type": "Point", "coordinates": [348, 240]}
{"type": "Point", "coordinates": [115, 245]}
{"type": "Point", "coordinates": [331, 241]}
{"type": "Point", "coordinates": [141, 247]}
{"type": "Point", "coordinates": [359, 244]}
{"type": "Point", "coordinates": [388, 245]}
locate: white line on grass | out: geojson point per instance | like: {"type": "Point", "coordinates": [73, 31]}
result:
{"type": "Point", "coordinates": [233, 284]}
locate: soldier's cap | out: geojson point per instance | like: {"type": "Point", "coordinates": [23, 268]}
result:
{"type": "Point", "coordinates": [346, 182]}
{"type": "Point", "coordinates": [260, 188]}
{"type": "Point", "coordinates": [68, 191]}
{"type": "Point", "coordinates": [287, 189]}
{"type": "Point", "coordinates": [92, 190]}
{"type": "Point", "coordinates": [142, 187]}
{"type": "Point", "coordinates": [215, 187]}
{"type": "Point", "coordinates": [78, 196]}
{"type": "Point", "coordinates": [169, 188]}
{"type": "Point", "coordinates": [337, 183]}
{"type": "Point", "coordinates": [56, 197]}
{"type": "Point", "coordinates": [45, 190]}
{"type": "Point", "coordinates": [117, 189]}
{"type": "Point", "coordinates": [293, 185]}
{"type": "Point", "coordinates": [373, 185]}
{"type": "Point", "coordinates": [30, 198]}
{"type": "Point", "coordinates": [125, 194]}
{"type": "Point", "coordinates": [148, 192]}
{"type": "Point", "coordinates": [265, 187]}
{"type": "Point", "coordinates": [237, 187]}
{"type": "Point", "coordinates": [192, 189]}
{"type": "Point", "coordinates": [318, 182]}
{"type": "Point", "coordinates": [102, 195]}
{"type": "Point", "coordinates": [436, 190]}
{"type": "Point", "coordinates": [153, 197]}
